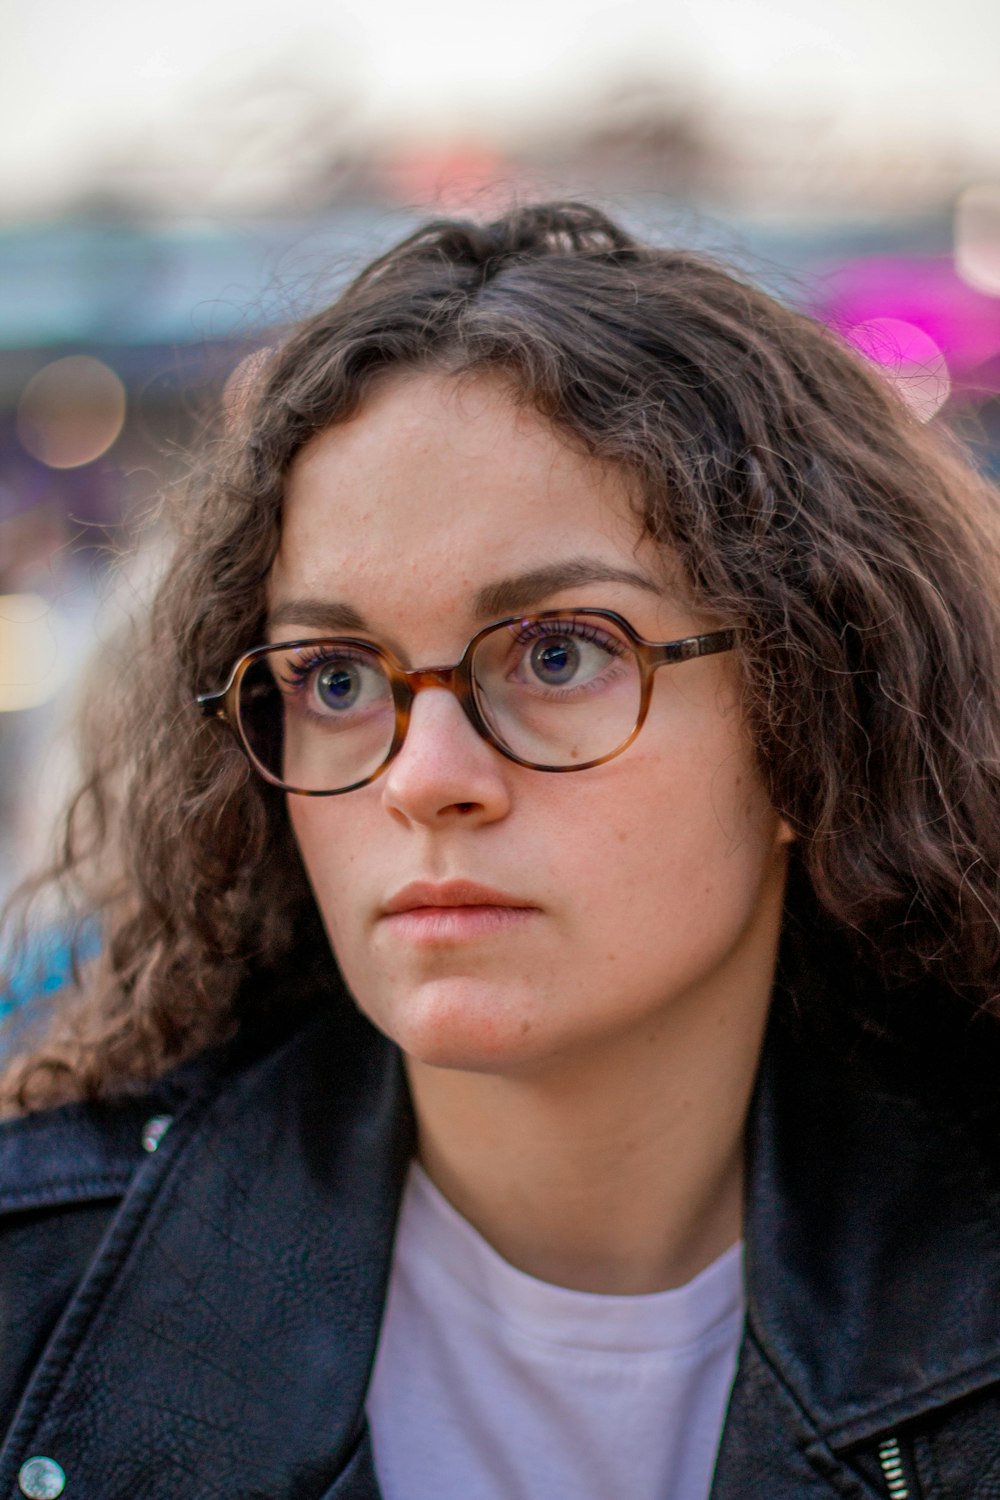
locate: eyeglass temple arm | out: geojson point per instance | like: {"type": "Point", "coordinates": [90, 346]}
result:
{"type": "Point", "coordinates": [213, 705]}
{"type": "Point", "coordinates": [694, 645]}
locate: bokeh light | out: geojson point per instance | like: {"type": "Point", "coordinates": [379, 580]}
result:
{"type": "Point", "coordinates": [33, 665]}
{"type": "Point", "coordinates": [977, 237]}
{"type": "Point", "coordinates": [71, 412]}
{"type": "Point", "coordinates": [908, 358]}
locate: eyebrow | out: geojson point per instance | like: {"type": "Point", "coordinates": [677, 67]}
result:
{"type": "Point", "coordinates": [505, 597]}
{"type": "Point", "coordinates": [328, 616]}
{"type": "Point", "coordinates": [510, 595]}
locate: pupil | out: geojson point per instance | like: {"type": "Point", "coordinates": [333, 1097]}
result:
{"type": "Point", "coordinates": [555, 660]}
{"type": "Point", "coordinates": [338, 685]}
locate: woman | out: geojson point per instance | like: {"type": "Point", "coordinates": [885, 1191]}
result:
{"type": "Point", "coordinates": [583, 865]}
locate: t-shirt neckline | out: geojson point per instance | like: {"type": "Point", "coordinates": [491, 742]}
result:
{"type": "Point", "coordinates": [684, 1316]}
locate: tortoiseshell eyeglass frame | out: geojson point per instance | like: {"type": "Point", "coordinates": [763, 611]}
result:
{"type": "Point", "coordinates": [458, 679]}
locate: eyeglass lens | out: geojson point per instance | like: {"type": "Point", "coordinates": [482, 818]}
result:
{"type": "Point", "coordinates": [555, 692]}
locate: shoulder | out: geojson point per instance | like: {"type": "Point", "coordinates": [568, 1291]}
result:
{"type": "Point", "coordinates": [88, 1151]}
{"type": "Point", "coordinates": [78, 1152]}
{"type": "Point", "coordinates": [63, 1174]}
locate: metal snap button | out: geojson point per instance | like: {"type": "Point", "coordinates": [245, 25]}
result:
{"type": "Point", "coordinates": [154, 1130]}
{"type": "Point", "coordinates": [41, 1479]}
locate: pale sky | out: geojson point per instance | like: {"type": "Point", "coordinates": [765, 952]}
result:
{"type": "Point", "coordinates": [81, 79]}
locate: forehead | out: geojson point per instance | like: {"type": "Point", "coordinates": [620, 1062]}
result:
{"type": "Point", "coordinates": [438, 487]}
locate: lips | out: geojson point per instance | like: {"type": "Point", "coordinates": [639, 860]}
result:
{"type": "Point", "coordinates": [428, 915]}
{"type": "Point", "coordinates": [451, 895]}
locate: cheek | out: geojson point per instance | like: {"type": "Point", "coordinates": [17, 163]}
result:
{"type": "Point", "coordinates": [703, 785]}
{"type": "Point", "coordinates": [683, 848]}
{"type": "Point", "coordinates": [329, 845]}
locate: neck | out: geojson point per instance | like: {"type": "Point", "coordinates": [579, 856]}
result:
{"type": "Point", "coordinates": [619, 1170]}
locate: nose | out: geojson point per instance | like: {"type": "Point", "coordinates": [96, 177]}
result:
{"type": "Point", "coordinates": [445, 770]}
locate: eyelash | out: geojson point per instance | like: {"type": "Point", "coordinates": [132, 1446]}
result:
{"type": "Point", "coordinates": [310, 658]}
{"type": "Point", "coordinates": [582, 628]}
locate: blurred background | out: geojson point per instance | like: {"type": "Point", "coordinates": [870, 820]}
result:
{"type": "Point", "coordinates": [175, 181]}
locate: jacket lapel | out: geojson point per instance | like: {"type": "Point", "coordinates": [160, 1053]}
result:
{"type": "Point", "coordinates": [250, 1269]}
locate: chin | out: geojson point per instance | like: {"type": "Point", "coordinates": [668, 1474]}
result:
{"type": "Point", "coordinates": [461, 1023]}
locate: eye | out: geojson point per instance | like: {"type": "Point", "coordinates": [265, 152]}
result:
{"type": "Point", "coordinates": [566, 654]}
{"type": "Point", "coordinates": [334, 684]}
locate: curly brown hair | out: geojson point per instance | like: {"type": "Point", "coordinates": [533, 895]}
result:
{"type": "Point", "coordinates": [852, 547]}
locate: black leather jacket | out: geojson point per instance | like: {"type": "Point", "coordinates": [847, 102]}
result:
{"type": "Point", "coordinates": [198, 1320]}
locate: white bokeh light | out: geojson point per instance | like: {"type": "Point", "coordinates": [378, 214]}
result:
{"type": "Point", "coordinates": [977, 237]}
{"type": "Point", "coordinates": [34, 660]}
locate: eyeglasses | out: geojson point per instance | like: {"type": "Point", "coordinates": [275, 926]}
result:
{"type": "Point", "coordinates": [562, 690]}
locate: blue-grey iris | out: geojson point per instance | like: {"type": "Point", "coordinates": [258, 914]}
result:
{"type": "Point", "coordinates": [555, 659]}
{"type": "Point", "coordinates": [338, 685]}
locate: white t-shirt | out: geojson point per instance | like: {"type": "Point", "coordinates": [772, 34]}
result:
{"type": "Point", "coordinates": [490, 1385]}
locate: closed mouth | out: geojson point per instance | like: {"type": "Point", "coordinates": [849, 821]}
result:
{"type": "Point", "coordinates": [451, 895]}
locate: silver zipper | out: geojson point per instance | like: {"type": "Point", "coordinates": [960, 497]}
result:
{"type": "Point", "coordinates": [891, 1460]}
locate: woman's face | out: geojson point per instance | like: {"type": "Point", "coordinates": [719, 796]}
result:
{"type": "Point", "coordinates": [614, 898]}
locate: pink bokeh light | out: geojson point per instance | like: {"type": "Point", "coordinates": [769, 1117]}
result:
{"type": "Point", "coordinates": [909, 359]}
{"type": "Point", "coordinates": [927, 295]}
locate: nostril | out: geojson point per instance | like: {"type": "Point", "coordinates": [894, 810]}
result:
{"type": "Point", "coordinates": [465, 807]}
